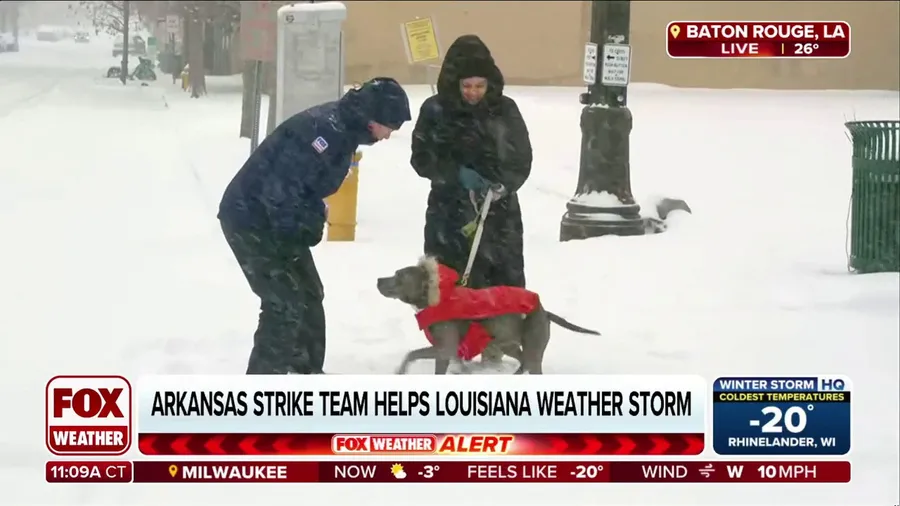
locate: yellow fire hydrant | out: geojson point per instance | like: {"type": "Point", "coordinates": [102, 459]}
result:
{"type": "Point", "coordinates": [186, 78]}
{"type": "Point", "coordinates": [342, 205]}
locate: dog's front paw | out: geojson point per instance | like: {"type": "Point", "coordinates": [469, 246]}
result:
{"type": "Point", "coordinates": [492, 355]}
{"type": "Point", "coordinates": [464, 367]}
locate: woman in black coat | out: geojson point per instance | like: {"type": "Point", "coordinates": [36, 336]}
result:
{"type": "Point", "coordinates": [468, 138]}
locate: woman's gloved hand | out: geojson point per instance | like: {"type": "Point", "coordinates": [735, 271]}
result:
{"type": "Point", "coordinates": [473, 181]}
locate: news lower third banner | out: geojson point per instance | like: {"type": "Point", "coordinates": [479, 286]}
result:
{"type": "Point", "coordinates": [446, 471]}
{"type": "Point", "coordinates": [420, 415]}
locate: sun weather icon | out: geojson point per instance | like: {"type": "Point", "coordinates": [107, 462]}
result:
{"type": "Point", "coordinates": [398, 472]}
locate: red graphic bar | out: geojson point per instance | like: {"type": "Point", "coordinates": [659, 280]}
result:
{"type": "Point", "coordinates": [440, 444]}
{"type": "Point", "coordinates": [751, 39]}
{"type": "Point", "coordinates": [89, 471]}
{"type": "Point", "coordinates": [491, 472]}
{"type": "Point", "coordinates": [761, 49]}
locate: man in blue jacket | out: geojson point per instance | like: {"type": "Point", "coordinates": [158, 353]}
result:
{"type": "Point", "coordinates": [273, 212]}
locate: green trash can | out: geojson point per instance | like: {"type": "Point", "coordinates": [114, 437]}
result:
{"type": "Point", "coordinates": [875, 202]}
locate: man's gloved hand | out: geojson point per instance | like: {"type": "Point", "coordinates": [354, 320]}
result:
{"type": "Point", "coordinates": [310, 234]}
{"type": "Point", "coordinates": [310, 238]}
{"type": "Point", "coordinates": [473, 181]}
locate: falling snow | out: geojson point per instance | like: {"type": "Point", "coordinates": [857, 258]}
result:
{"type": "Point", "coordinates": [113, 263]}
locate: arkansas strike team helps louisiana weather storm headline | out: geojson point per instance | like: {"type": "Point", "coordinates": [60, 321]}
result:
{"type": "Point", "coordinates": [421, 403]}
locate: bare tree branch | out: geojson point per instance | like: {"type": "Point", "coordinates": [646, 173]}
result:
{"type": "Point", "coordinates": [106, 15]}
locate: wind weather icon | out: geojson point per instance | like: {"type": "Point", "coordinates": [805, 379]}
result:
{"type": "Point", "coordinates": [398, 472]}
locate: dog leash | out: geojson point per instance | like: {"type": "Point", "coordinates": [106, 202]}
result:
{"type": "Point", "coordinates": [479, 230]}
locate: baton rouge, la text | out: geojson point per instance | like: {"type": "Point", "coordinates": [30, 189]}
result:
{"type": "Point", "coordinates": [764, 31]}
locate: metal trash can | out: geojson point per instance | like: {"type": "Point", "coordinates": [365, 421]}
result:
{"type": "Point", "coordinates": [875, 201]}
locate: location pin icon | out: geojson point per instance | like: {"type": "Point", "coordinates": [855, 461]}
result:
{"type": "Point", "coordinates": [675, 30]}
{"type": "Point", "coordinates": [173, 470]}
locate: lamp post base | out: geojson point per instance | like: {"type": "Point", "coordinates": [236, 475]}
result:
{"type": "Point", "coordinates": [583, 222]}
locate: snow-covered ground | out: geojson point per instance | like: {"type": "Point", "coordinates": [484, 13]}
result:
{"type": "Point", "coordinates": [112, 262]}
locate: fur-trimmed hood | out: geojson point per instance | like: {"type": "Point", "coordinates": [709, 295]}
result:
{"type": "Point", "coordinates": [440, 279]}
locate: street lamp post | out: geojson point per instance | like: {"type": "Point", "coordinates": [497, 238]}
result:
{"type": "Point", "coordinates": [603, 203]}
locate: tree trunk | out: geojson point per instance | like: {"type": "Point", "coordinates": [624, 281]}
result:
{"type": "Point", "coordinates": [249, 80]}
{"type": "Point", "coordinates": [194, 42]}
{"type": "Point", "coordinates": [126, 38]}
{"type": "Point", "coordinates": [15, 23]}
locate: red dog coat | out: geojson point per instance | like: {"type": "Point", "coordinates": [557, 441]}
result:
{"type": "Point", "coordinates": [450, 302]}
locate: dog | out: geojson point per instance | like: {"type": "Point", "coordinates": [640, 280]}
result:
{"type": "Point", "coordinates": [513, 319]}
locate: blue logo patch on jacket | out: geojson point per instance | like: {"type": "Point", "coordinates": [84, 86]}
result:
{"type": "Point", "coordinates": [320, 145]}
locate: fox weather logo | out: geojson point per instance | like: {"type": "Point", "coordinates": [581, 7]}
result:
{"type": "Point", "coordinates": [828, 384]}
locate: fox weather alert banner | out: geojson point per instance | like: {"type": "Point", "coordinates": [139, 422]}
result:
{"type": "Point", "coordinates": [420, 415]}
